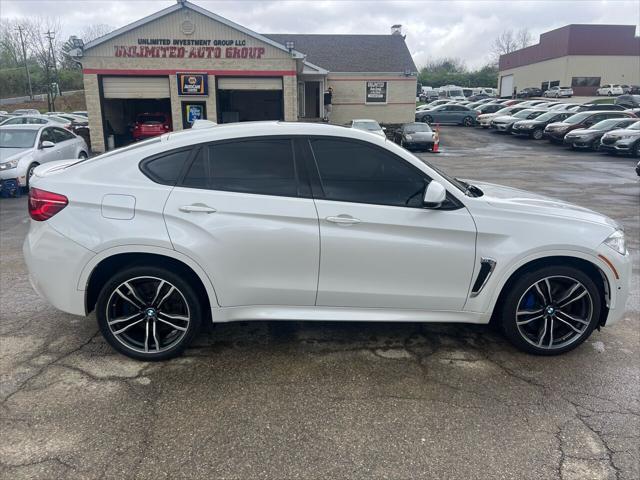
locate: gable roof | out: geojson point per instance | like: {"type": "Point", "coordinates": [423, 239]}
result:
{"type": "Point", "coordinates": [188, 5]}
{"type": "Point", "coordinates": [352, 53]}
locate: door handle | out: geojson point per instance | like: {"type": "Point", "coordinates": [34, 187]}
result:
{"type": "Point", "coordinates": [197, 208]}
{"type": "Point", "coordinates": [343, 220]}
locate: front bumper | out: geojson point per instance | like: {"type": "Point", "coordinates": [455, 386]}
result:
{"type": "Point", "coordinates": [619, 280]}
{"type": "Point", "coordinates": [501, 127]}
{"type": "Point", "coordinates": [54, 263]}
{"type": "Point", "coordinates": [617, 147]}
{"type": "Point", "coordinates": [555, 136]}
{"type": "Point", "coordinates": [578, 142]}
{"type": "Point", "coordinates": [416, 144]}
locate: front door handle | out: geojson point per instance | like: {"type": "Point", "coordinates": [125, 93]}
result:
{"type": "Point", "coordinates": [197, 208]}
{"type": "Point", "coordinates": [343, 220]}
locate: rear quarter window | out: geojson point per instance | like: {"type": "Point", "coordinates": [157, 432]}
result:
{"type": "Point", "coordinates": [166, 168]}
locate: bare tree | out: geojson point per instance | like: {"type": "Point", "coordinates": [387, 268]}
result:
{"type": "Point", "coordinates": [98, 30]}
{"type": "Point", "coordinates": [509, 41]}
{"type": "Point", "coordinates": [10, 49]}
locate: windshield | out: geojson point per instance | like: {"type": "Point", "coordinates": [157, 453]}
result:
{"type": "Point", "coordinates": [577, 118]}
{"type": "Point", "coordinates": [605, 124]}
{"type": "Point", "coordinates": [524, 113]}
{"type": "Point", "coordinates": [371, 126]}
{"type": "Point", "coordinates": [548, 116]}
{"type": "Point", "coordinates": [150, 118]}
{"type": "Point", "coordinates": [635, 126]}
{"type": "Point", "coordinates": [417, 127]}
{"type": "Point", "coordinates": [17, 138]}
{"type": "Point", "coordinates": [454, 93]}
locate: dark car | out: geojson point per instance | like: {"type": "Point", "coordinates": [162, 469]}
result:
{"type": "Point", "coordinates": [628, 101]}
{"type": "Point", "coordinates": [505, 123]}
{"type": "Point", "coordinates": [529, 92]}
{"type": "Point", "coordinates": [489, 108]}
{"type": "Point", "coordinates": [555, 132]}
{"type": "Point", "coordinates": [592, 107]}
{"type": "Point", "coordinates": [625, 141]}
{"type": "Point", "coordinates": [590, 137]}
{"type": "Point", "coordinates": [414, 135]}
{"type": "Point", "coordinates": [151, 125]}
{"type": "Point", "coordinates": [79, 125]}
{"type": "Point", "coordinates": [448, 113]}
{"type": "Point", "coordinates": [535, 128]}
{"type": "Point", "coordinates": [478, 96]}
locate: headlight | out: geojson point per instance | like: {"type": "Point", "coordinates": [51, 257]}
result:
{"type": "Point", "coordinates": [9, 165]}
{"type": "Point", "coordinates": [625, 137]}
{"type": "Point", "coordinates": [617, 242]}
{"type": "Point", "coordinates": [408, 137]}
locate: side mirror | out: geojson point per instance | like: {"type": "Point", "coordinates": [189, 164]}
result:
{"type": "Point", "coordinates": [434, 195]}
{"type": "Point", "coordinates": [384, 129]}
{"type": "Point", "coordinates": [47, 144]}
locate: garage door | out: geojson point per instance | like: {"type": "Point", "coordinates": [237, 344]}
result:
{"type": "Point", "coordinates": [250, 83]}
{"type": "Point", "coordinates": [136, 87]}
{"type": "Point", "coordinates": [506, 86]}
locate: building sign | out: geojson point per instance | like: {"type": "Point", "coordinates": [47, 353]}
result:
{"type": "Point", "coordinates": [189, 48]}
{"type": "Point", "coordinates": [194, 112]}
{"type": "Point", "coordinates": [192, 84]}
{"type": "Point", "coordinates": [376, 92]}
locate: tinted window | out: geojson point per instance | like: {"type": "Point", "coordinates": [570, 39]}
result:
{"type": "Point", "coordinates": [62, 135]}
{"type": "Point", "coordinates": [251, 166]}
{"type": "Point", "coordinates": [166, 169]}
{"type": "Point", "coordinates": [357, 172]}
{"type": "Point", "coordinates": [47, 134]}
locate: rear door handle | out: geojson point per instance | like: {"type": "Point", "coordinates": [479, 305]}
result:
{"type": "Point", "coordinates": [343, 220]}
{"type": "Point", "coordinates": [197, 208]}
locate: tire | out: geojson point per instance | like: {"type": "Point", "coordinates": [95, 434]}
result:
{"type": "Point", "coordinates": [556, 326]}
{"type": "Point", "coordinates": [427, 119]}
{"type": "Point", "coordinates": [144, 314]}
{"type": "Point", "coordinates": [537, 134]}
{"type": "Point", "coordinates": [595, 145]}
{"type": "Point", "coordinates": [83, 155]}
{"type": "Point", "coordinates": [467, 121]}
{"type": "Point", "coordinates": [635, 150]}
{"type": "Point", "coordinates": [30, 170]}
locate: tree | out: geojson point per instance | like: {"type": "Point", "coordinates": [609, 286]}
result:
{"type": "Point", "coordinates": [89, 34]}
{"type": "Point", "coordinates": [10, 49]}
{"type": "Point", "coordinates": [509, 41]}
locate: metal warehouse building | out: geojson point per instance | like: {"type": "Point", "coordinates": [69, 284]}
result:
{"type": "Point", "coordinates": [192, 63]}
{"type": "Point", "coordinates": [581, 56]}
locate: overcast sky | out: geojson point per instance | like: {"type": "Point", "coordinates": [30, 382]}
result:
{"type": "Point", "coordinates": [463, 29]}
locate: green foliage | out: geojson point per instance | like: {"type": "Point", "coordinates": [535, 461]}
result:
{"type": "Point", "coordinates": [452, 71]}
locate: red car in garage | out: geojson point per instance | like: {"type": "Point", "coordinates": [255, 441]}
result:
{"type": "Point", "coordinates": [150, 125]}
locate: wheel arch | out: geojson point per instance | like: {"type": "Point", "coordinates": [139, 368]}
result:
{"type": "Point", "coordinates": [104, 265]}
{"type": "Point", "coordinates": [594, 271]}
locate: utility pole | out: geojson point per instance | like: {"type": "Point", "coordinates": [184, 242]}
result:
{"type": "Point", "coordinates": [51, 35]}
{"type": "Point", "coordinates": [26, 67]}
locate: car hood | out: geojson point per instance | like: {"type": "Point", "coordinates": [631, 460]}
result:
{"type": "Point", "coordinates": [529, 122]}
{"type": "Point", "coordinates": [584, 131]}
{"type": "Point", "coordinates": [623, 131]}
{"type": "Point", "coordinates": [509, 198]}
{"type": "Point", "coordinates": [559, 124]}
{"type": "Point", "coordinates": [505, 118]}
{"type": "Point", "coordinates": [8, 154]}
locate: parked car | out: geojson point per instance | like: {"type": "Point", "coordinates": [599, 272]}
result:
{"type": "Point", "coordinates": [24, 147]}
{"type": "Point", "coordinates": [36, 120]}
{"type": "Point", "coordinates": [635, 90]}
{"type": "Point", "coordinates": [53, 113]}
{"type": "Point", "coordinates": [368, 125]}
{"type": "Point", "coordinates": [82, 113]}
{"type": "Point", "coordinates": [592, 107]}
{"type": "Point", "coordinates": [484, 120]}
{"type": "Point", "coordinates": [440, 101]}
{"type": "Point", "coordinates": [79, 126]}
{"type": "Point", "coordinates": [534, 128]}
{"type": "Point", "coordinates": [417, 136]}
{"type": "Point", "coordinates": [625, 89]}
{"type": "Point", "coordinates": [505, 123]}
{"type": "Point", "coordinates": [610, 90]}
{"type": "Point", "coordinates": [4, 116]}
{"type": "Point", "coordinates": [229, 232]}
{"type": "Point", "coordinates": [557, 92]}
{"type": "Point", "coordinates": [564, 107]}
{"type": "Point", "coordinates": [531, 103]}
{"type": "Point", "coordinates": [26, 111]}
{"type": "Point", "coordinates": [529, 92]}
{"type": "Point", "coordinates": [590, 137]}
{"type": "Point", "coordinates": [150, 125]}
{"type": "Point", "coordinates": [628, 101]}
{"type": "Point", "coordinates": [555, 132]}
{"type": "Point", "coordinates": [625, 141]}
{"type": "Point", "coordinates": [448, 113]}
{"type": "Point", "coordinates": [3, 112]}
{"type": "Point", "coordinates": [511, 101]}
{"type": "Point", "coordinates": [479, 96]}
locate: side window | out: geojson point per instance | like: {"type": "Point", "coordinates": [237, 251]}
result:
{"type": "Point", "coordinates": [47, 135]}
{"type": "Point", "coordinates": [15, 121]}
{"type": "Point", "coordinates": [165, 169]}
{"type": "Point", "coordinates": [62, 135]}
{"type": "Point", "coordinates": [264, 167]}
{"type": "Point", "coordinates": [357, 172]}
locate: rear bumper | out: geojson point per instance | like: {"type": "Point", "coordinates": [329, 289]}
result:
{"type": "Point", "coordinates": [54, 263]}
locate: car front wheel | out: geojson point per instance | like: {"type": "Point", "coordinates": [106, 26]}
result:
{"type": "Point", "coordinates": [30, 170]}
{"type": "Point", "coordinates": [467, 121]}
{"type": "Point", "coordinates": [551, 310]}
{"type": "Point", "coordinates": [537, 134]}
{"type": "Point", "coordinates": [148, 313]}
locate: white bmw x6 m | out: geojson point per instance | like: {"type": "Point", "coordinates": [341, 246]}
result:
{"type": "Point", "coordinates": [295, 221]}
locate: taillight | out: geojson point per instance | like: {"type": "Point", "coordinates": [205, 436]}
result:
{"type": "Point", "coordinates": [43, 205]}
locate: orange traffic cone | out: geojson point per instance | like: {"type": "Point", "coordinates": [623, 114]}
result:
{"type": "Point", "coordinates": [436, 140]}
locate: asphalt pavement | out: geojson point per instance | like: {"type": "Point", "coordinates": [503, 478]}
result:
{"type": "Point", "coordinates": [294, 400]}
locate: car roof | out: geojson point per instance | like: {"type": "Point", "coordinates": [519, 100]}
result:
{"type": "Point", "coordinates": [25, 126]}
{"type": "Point", "coordinates": [364, 120]}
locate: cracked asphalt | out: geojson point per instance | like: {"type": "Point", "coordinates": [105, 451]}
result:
{"type": "Point", "coordinates": [331, 400]}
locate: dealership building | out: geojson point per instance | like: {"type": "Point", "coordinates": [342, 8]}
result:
{"type": "Point", "coordinates": [189, 63]}
{"type": "Point", "coordinates": [583, 57]}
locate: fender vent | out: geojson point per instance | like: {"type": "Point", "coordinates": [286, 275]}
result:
{"type": "Point", "coordinates": [486, 269]}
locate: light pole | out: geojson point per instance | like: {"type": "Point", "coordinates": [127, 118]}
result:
{"type": "Point", "coordinates": [26, 67]}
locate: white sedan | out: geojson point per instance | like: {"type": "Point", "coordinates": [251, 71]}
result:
{"type": "Point", "coordinates": [610, 90]}
{"type": "Point", "coordinates": [296, 221]}
{"type": "Point", "coordinates": [368, 125]}
{"type": "Point", "coordinates": [24, 147]}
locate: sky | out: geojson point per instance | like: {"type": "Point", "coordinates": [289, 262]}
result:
{"type": "Point", "coordinates": [433, 29]}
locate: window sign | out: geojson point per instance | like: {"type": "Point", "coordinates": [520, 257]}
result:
{"type": "Point", "coordinates": [376, 92]}
{"type": "Point", "coordinates": [192, 84]}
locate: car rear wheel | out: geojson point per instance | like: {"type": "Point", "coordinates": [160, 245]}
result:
{"type": "Point", "coordinates": [551, 310]}
{"type": "Point", "coordinates": [427, 119]}
{"type": "Point", "coordinates": [467, 121]}
{"type": "Point", "coordinates": [148, 313]}
{"type": "Point", "coordinates": [537, 134]}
